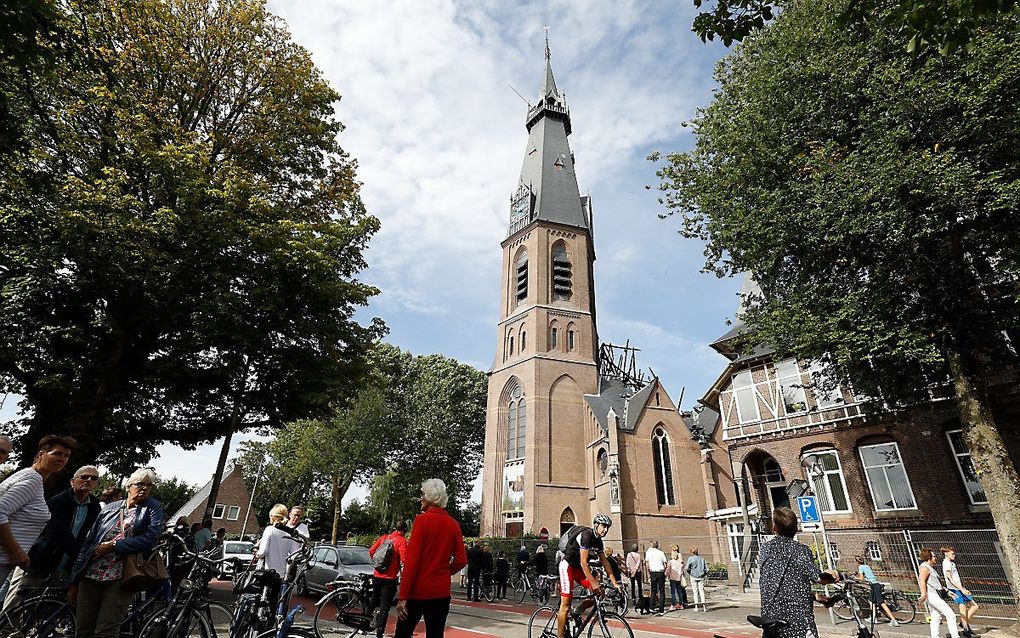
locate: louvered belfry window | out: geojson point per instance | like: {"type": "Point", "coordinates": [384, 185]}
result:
{"type": "Point", "coordinates": [561, 273]}
{"type": "Point", "coordinates": [522, 278]}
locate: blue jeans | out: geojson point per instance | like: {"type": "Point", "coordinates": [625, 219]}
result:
{"type": "Point", "coordinates": [677, 592]}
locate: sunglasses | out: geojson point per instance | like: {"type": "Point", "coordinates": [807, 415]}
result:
{"type": "Point", "coordinates": [87, 477]}
{"type": "Point", "coordinates": [141, 486]}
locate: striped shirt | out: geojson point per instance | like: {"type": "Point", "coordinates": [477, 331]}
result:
{"type": "Point", "coordinates": [23, 507]}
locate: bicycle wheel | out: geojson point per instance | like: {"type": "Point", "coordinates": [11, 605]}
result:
{"type": "Point", "coordinates": [620, 604]}
{"type": "Point", "coordinates": [219, 616]}
{"type": "Point", "coordinates": [520, 589]}
{"type": "Point", "coordinates": [487, 590]}
{"type": "Point", "coordinates": [542, 623]}
{"type": "Point", "coordinates": [844, 610]}
{"type": "Point", "coordinates": [340, 615]}
{"type": "Point", "coordinates": [194, 625]}
{"type": "Point", "coordinates": [40, 617]}
{"type": "Point", "coordinates": [611, 625]}
{"type": "Point", "coordinates": [901, 606]}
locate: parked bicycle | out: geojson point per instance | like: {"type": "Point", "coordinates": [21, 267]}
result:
{"type": "Point", "coordinates": [540, 590]}
{"type": "Point", "coordinates": [190, 613]}
{"type": "Point", "coordinates": [263, 598]}
{"type": "Point", "coordinates": [600, 620]}
{"type": "Point", "coordinates": [346, 610]}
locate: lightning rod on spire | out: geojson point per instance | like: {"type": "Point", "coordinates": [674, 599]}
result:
{"type": "Point", "coordinates": [548, 55]}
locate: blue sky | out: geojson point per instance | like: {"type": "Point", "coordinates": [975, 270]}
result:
{"type": "Point", "coordinates": [439, 137]}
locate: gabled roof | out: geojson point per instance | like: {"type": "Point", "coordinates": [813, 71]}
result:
{"type": "Point", "coordinates": [200, 496]}
{"type": "Point", "coordinates": [613, 393]}
{"type": "Point", "coordinates": [636, 404]}
{"type": "Point", "coordinates": [703, 420]}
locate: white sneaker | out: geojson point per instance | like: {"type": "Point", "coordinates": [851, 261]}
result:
{"type": "Point", "coordinates": [894, 623]}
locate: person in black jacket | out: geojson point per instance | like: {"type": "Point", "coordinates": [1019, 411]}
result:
{"type": "Point", "coordinates": [488, 565]}
{"type": "Point", "coordinates": [541, 562]}
{"type": "Point", "coordinates": [474, 558]}
{"type": "Point", "coordinates": [502, 575]}
{"type": "Point", "coordinates": [72, 513]}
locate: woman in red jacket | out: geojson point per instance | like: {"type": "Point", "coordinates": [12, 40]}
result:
{"type": "Point", "coordinates": [435, 552]}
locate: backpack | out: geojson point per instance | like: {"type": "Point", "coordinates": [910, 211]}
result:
{"type": "Point", "coordinates": [383, 555]}
{"type": "Point", "coordinates": [568, 543]}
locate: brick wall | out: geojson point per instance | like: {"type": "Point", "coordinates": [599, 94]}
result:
{"type": "Point", "coordinates": [233, 492]}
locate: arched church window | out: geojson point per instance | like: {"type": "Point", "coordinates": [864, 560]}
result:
{"type": "Point", "coordinates": [570, 340]}
{"type": "Point", "coordinates": [511, 346]}
{"type": "Point", "coordinates": [524, 339]}
{"type": "Point", "coordinates": [552, 338]}
{"type": "Point", "coordinates": [516, 423]}
{"type": "Point", "coordinates": [561, 275]}
{"type": "Point", "coordinates": [663, 468]}
{"type": "Point", "coordinates": [602, 459]}
{"type": "Point", "coordinates": [521, 269]}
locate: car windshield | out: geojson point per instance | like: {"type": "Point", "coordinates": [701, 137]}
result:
{"type": "Point", "coordinates": [237, 548]}
{"type": "Point", "coordinates": [354, 555]}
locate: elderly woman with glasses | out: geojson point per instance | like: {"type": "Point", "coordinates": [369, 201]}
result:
{"type": "Point", "coordinates": [123, 527]}
{"type": "Point", "coordinates": [23, 510]}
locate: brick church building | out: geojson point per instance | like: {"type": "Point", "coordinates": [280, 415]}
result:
{"type": "Point", "coordinates": [572, 427]}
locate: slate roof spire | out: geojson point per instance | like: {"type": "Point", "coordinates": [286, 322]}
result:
{"type": "Point", "coordinates": [548, 186]}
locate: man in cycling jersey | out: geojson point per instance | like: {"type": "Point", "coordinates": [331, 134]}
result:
{"type": "Point", "coordinates": [574, 569]}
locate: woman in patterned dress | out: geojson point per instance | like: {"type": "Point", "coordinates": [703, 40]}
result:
{"type": "Point", "coordinates": [787, 573]}
{"type": "Point", "coordinates": [124, 527]}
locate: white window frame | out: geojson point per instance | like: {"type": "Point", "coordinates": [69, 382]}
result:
{"type": "Point", "coordinates": [871, 488]}
{"type": "Point", "coordinates": [218, 507]}
{"type": "Point", "coordinates": [754, 396]}
{"type": "Point", "coordinates": [798, 381]}
{"type": "Point", "coordinates": [873, 550]}
{"type": "Point", "coordinates": [825, 482]}
{"type": "Point", "coordinates": [823, 402]}
{"type": "Point", "coordinates": [233, 512]}
{"type": "Point", "coordinates": [956, 457]}
{"type": "Point", "coordinates": [734, 533]}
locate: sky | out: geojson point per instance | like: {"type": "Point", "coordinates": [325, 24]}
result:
{"type": "Point", "coordinates": [439, 137]}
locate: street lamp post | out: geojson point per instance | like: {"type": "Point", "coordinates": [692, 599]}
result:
{"type": "Point", "coordinates": [813, 467]}
{"type": "Point", "coordinates": [254, 488]}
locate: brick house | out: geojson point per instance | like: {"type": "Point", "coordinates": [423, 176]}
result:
{"type": "Point", "coordinates": [230, 508]}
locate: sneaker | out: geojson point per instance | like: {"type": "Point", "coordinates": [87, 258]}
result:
{"type": "Point", "coordinates": [894, 623]}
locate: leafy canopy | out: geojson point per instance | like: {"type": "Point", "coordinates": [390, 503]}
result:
{"type": "Point", "coordinates": [180, 241]}
{"type": "Point", "coordinates": [873, 195]}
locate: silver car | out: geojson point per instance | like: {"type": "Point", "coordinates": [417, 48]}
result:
{"type": "Point", "coordinates": [334, 562]}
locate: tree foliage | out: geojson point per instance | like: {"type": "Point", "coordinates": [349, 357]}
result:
{"type": "Point", "coordinates": [174, 493]}
{"type": "Point", "coordinates": [874, 197]}
{"type": "Point", "coordinates": [916, 25]}
{"type": "Point", "coordinates": [181, 237]}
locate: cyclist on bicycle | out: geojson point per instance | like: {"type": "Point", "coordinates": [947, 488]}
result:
{"type": "Point", "coordinates": [583, 545]}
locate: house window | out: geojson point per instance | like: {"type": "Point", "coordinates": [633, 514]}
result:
{"type": "Point", "coordinates": [873, 550]}
{"type": "Point", "coordinates": [663, 469]}
{"type": "Point", "coordinates": [516, 423]}
{"type": "Point", "coordinates": [570, 340]}
{"type": "Point", "coordinates": [887, 478]}
{"type": "Point", "coordinates": [966, 467]}
{"type": "Point", "coordinates": [834, 552]}
{"type": "Point", "coordinates": [830, 488]}
{"type": "Point", "coordinates": [217, 511]}
{"type": "Point", "coordinates": [552, 339]}
{"type": "Point", "coordinates": [735, 535]}
{"type": "Point", "coordinates": [827, 392]}
{"type": "Point", "coordinates": [743, 395]}
{"type": "Point", "coordinates": [522, 279]}
{"type": "Point", "coordinates": [233, 512]}
{"type": "Point", "coordinates": [775, 484]}
{"type": "Point", "coordinates": [561, 273]}
{"type": "Point", "coordinates": [791, 386]}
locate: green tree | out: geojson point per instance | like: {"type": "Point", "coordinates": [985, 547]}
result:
{"type": "Point", "coordinates": [470, 518]}
{"type": "Point", "coordinates": [438, 406]}
{"type": "Point", "coordinates": [174, 493]}
{"type": "Point", "coordinates": [915, 24]}
{"type": "Point", "coordinates": [181, 236]}
{"type": "Point", "coordinates": [362, 518]}
{"type": "Point", "coordinates": [874, 197]}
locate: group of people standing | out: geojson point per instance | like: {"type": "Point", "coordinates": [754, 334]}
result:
{"type": "Point", "coordinates": [74, 537]}
{"type": "Point", "coordinates": [658, 569]}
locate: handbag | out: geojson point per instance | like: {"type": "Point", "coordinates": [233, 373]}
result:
{"type": "Point", "coordinates": [143, 570]}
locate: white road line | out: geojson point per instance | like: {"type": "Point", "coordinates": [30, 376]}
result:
{"type": "Point", "coordinates": [474, 631]}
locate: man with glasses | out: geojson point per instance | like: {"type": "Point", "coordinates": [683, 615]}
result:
{"type": "Point", "coordinates": [72, 513]}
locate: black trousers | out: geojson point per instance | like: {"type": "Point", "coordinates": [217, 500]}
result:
{"type": "Point", "coordinates": [635, 586]}
{"type": "Point", "coordinates": [474, 590]}
{"type": "Point", "coordinates": [434, 611]}
{"type": "Point", "coordinates": [658, 594]}
{"type": "Point", "coordinates": [500, 586]}
{"type": "Point", "coordinates": [384, 590]}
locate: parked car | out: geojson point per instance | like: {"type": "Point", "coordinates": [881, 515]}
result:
{"type": "Point", "coordinates": [334, 562]}
{"type": "Point", "coordinates": [240, 550]}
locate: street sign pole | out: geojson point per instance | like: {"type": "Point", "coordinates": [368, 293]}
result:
{"type": "Point", "coordinates": [828, 560]}
{"type": "Point", "coordinates": [811, 517]}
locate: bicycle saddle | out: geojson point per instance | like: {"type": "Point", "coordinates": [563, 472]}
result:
{"type": "Point", "coordinates": [766, 623]}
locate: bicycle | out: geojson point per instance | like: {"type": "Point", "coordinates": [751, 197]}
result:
{"type": "Point", "coordinates": [851, 601]}
{"type": "Point", "coordinates": [901, 606]}
{"type": "Point", "coordinates": [621, 600]}
{"type": "Point", "coordinates": [190, 612]}
{"type": "Point", "coordinates": [543, 623]}
{"type": "Point", "coordinates": [263, 596]}
{"type": "Point", "coordinates": [345, 610]}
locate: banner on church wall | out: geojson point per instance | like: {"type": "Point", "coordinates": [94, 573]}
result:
{"type": "Point", "coordinates": [513, 488]}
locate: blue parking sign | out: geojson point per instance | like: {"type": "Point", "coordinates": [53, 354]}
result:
{"type": "Point", "coordinates": [808, 506]}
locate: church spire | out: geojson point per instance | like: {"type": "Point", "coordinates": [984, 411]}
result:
{"type": "Point", "coordinates": [548, 186]}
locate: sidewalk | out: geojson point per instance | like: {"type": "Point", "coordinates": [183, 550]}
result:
{"type": "Point", "coordinates": [727, 615]}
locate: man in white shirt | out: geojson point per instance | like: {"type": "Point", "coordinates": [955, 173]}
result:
{"type": "Point", "coordinates": [296, 514]}
{"type": "Point", "coordinates": [961, 596]}
{"type": "Point", "coordinates": [655, 559]}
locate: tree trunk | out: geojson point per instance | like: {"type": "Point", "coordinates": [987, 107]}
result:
{"type": "Point", "coordinates": [995, 469]}
{"type": "Point", "coordinates": [214, 490]}
{"type": "Point", "coordinates": [340, 486]}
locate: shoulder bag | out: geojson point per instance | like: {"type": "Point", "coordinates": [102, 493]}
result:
{"type": "Point", "coordinates": [143, 570]}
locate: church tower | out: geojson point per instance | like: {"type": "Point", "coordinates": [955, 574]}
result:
{"type": "Point", "coordinates": [537, 429]}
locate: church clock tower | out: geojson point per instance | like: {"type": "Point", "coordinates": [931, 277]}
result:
{"type": "Point", "coordinates": [537, 429]}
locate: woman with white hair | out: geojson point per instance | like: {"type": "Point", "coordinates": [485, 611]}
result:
{"type": "Point", "coordinates": [435, 552]}
{"type": "Point", "coordinates": [276, 543]}
{"type": "Point", "coordinates": [129, 526]}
